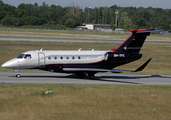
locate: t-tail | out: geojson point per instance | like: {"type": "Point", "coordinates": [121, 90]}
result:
{"type": "Point", "coordinates": [134, 42]}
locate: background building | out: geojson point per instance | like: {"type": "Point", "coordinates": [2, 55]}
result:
{"type": "Point", "coordinates": [97, 26]}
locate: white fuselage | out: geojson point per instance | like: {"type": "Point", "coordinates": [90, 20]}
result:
{"type": "Point", "coordinates": [38, 59]}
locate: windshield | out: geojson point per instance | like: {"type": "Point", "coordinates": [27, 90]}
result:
{"type": "Point", "coordinates": [20, 56]}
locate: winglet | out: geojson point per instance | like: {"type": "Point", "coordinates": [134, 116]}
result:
{"type": "Point", "coordinates": [143, 66]}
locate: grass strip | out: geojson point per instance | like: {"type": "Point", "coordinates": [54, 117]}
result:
{"type": "Point", "coordinates": [4, 31]}
{"type": "Point", "coordinates": [84, 102]}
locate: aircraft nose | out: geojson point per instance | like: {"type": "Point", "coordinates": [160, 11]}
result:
{"type": "Point", "coordinates": [5, 65]}
{"type": "Point", "coordinates": [9, 64]}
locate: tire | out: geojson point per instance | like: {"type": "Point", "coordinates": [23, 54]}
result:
{"type": "Point", "coordinates": [18, 75]}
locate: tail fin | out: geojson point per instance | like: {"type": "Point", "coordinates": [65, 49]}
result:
{"type": "Point", "coordinates": [134, 42]}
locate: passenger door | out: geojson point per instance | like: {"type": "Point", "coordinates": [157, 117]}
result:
{"type": "Point", "coordinates": [41, 60]}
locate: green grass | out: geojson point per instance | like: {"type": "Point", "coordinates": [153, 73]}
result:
{"type": "Point", "coordinates": [60, 33]}
{"type": "Point", "coordinates": [160, 54]}
{"type": "Point", "coordinates": [4, 31]}
{"type": "Point", "coordinates": [75, 102]}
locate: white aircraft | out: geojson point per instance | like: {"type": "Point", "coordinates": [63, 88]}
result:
{"type": "Point", "coordinates": [84, 63]}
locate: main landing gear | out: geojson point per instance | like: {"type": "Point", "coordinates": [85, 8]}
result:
{"type": "Point", "coordinates": [90, 76]}
{"type": "Point", "coordinates": [86, 75]}
{"type": "Point", "coordinates": [17, 75]}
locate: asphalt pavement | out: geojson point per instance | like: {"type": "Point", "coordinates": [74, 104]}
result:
{"type": "Point", "coordinates": [101, 78]}
{"type": "Point", "coordinates": [20, 38]}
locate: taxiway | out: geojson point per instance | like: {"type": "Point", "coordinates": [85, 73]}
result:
{"type": "Point", "coordinates": [20, 38]}
{"type": "Point", "coordinates": [101, 78]}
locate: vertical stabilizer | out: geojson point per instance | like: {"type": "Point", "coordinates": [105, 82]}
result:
{"type": "Point", "coordinates": [134, 42]}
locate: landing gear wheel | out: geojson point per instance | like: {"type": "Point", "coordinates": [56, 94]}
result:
{"type": "Point", "coordinates": [86, 75]}
{"type": "Point", "coordinates": [92, 77]}
{"type": "Point", "coordinates": [18, 75]}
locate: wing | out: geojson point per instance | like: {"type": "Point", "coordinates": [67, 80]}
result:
{"type": "Point", "coordinates": [105, 70]}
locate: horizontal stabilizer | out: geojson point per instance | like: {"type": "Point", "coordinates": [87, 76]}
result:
{"type": "Point", "coordinates": [148, 31]}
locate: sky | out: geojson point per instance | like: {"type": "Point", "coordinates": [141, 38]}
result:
{"type": "Point", "coordinates": [165, 4]}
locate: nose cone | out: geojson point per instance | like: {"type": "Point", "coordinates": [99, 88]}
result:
{"type": "Point", "coordinates": [9, 64]}
{"type": "Point", "coordinates": [4, 65]}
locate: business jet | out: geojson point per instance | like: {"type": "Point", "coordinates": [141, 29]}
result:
{"type": "Point", "coordinates": [84, 64]}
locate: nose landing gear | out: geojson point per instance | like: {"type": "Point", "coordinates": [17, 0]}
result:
{"type": "Point", "coordinates": [17, 75]}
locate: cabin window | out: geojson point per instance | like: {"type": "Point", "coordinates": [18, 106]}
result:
{"type": "Point", "coordinates": [49, 58]}
{"type": "Point", "coordinates": [67, 57]}
{"type": "Point", "coordinates": [79, 57]}
{"type": "Point", "coordinates": [55, 58]}
{"type": "Point", "coordinates": [61, 57]}
{"type": "Point", "coordinates": [73, 57]}
{"type": "Point", "coordinates": [20, 56]}
{"type": "Point", "coordinates": [27, 56]}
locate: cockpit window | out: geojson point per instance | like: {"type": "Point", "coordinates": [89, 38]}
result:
{"type": "Point", "coordinates": [21, 56]}
{"type": "Point", "coordinates": [27, 56]}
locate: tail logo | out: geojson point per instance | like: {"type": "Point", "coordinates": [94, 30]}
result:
{"type": "Point", "coordinates": [125, 48]}
{"type": "Point", "coordinates": [132, 48]}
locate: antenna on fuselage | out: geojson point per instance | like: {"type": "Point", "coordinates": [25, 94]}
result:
{"type": "Point", "coordinates": [79, 49]}
{"type": "Point", "coordinates": [92, 50]}
{"type": "Point", "coordinates": [41, 49]}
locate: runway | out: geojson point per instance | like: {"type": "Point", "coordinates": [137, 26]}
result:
{"type": "Point", "coordinates": [19, 38]}
{"type": "Point", "coordinates": [101, 78]}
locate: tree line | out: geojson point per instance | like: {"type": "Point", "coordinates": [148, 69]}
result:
{"type": "Point", "coordinates": [74, 15]}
